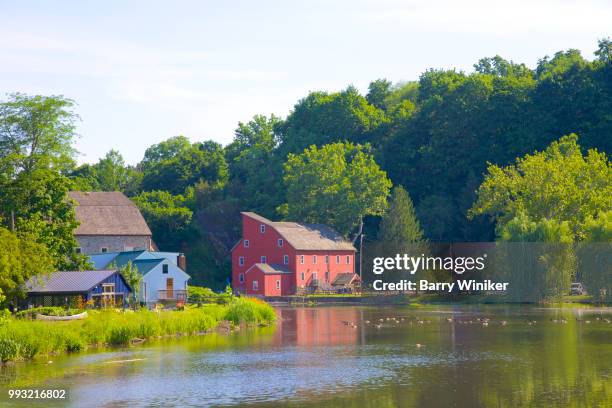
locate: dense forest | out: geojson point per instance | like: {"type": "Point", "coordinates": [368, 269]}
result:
{"type": "Point", "coordinates": [336, 156]}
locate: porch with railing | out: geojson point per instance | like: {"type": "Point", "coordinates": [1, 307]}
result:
{"type": "Point", "coordinates": [177, 295]}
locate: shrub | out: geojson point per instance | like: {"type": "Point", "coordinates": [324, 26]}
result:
{"type": "Point", "coordinates": [250, 310]}
{"type": "Point", "coordinates": [28, 347]}
{"type": "Point", "coordinates": [8, 349]}
{"type": "Point", "coordinates": [119, 336]}
{"type": "Point", "coordinates": [73, 343]}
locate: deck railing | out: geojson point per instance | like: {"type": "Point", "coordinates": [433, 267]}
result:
{"type": "Point", "coordinates": [172, 295]}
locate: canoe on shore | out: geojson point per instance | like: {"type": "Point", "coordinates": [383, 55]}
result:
{"type": "Point", "coordinates": [73, 317]}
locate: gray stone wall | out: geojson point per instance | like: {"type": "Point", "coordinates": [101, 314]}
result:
{"type": "Point", "coordinates": [93, 244]}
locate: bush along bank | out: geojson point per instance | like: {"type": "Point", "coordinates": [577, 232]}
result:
{"type": "Point", "coordinates": [26, 339]}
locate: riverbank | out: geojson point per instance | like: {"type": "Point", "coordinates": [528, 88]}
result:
{"type": "Point", "coordinates": [28, 339]}
{"type": "Point", "coordinates": [506, 355]}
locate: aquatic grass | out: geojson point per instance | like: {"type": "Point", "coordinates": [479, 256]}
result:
{"type": "Point", "coordinates": [23, 339]}
{"type": "Point", "coordinates": [250, 310]}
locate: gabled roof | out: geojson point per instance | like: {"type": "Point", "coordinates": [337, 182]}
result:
{"type": "Point", "coordinates": [123, 258]}
{"type": "Point", "coordinates": [307, 236]}
{"type": "Point", "coordinates": [271, 269]}
{"type": "Point", "coordinates": [145, 265]}
{"type": "Point", "coordinates": [107, 213]}
{"type": "Point", "coordinates": [345, 279]}
{"type": "Point", "coordinates": [118, 259]}
{"type": "Point", "coordinates": [68, 282]}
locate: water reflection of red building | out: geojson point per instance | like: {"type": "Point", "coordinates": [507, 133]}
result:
{"type": "Point", "coordinates": [319, 326]}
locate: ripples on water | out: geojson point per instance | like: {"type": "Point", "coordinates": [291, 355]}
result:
{"type": "Point", "coordinates": [314, 358]}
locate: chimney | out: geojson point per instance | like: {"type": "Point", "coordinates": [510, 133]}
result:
{"type": "Point", "coordinates": [181, 261]}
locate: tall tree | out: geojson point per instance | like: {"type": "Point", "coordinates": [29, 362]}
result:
{"type": "Point", "coordinates": [338, 184]}
{"type": "Point", "coordinates": [400, 224]}
{"type": "Point", "coordinates": [255, 167]}
{"type": "Point", "coordinates": [112, 172]}
{"type": "Point", "coordinates": [21, 258]}
{"type": "Point", "coordinates": [133, 277]}
{"type": "Point", "coordinates": [179, 169]}
{"type": "Point", "coordinates": [36, 136]}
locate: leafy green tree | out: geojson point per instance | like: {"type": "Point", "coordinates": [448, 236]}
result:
{"type": "Point", "coordinates": [338, 184]}
{"type": "Point", "coordinates": [112, 172]}
{"type": "Point", "coordinates": [322, 118]}
{"type": "Point", "coordinates": [36, 135]}
{"type": "Point", "coordinates": [168, 216]}
{"type": "Point", "coordinates": [133, 278]}
{"type": "Point", "coordinates": [255, 168]}
{"type": "Point", "coordinates": [604, 50]}
{"type": "Point", "coordinates": [165, 150]}
{"type": "Point", "coordinates": [500, 67]}
{"type": "Point", "coordinates": [201, 162]}
{"type": "Point", "coordinates": [594, 254]}
{"type": "Point", "coordinates": [559, 183]}
{"type": "Point", "coordinates": [378, 92]}
{"type": "Point", "coordinates": [21, 258]}
{"type": "Point", "coordinates": [36, 132]}
{"type": "Point", "coordinates": [542, 262]}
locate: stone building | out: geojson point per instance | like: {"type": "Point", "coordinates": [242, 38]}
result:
{"type": "Point", "coordinates": [109, 222]}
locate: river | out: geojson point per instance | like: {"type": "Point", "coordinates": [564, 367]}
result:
{"type": "Point", "coordinates": [351, 356]}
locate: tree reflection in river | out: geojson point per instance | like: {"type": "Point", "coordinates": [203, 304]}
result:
{"type": "Point", "coordinates": [469, 356]}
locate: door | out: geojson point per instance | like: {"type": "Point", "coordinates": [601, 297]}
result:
{"type": "Point", "coordinates": [169, 288]}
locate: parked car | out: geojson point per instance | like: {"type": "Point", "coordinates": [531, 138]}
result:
{"type": "Point", "coordinates": [578, 288]}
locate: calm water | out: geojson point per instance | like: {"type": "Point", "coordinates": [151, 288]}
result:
{"type": "Point", "coordinates": [313, 358]}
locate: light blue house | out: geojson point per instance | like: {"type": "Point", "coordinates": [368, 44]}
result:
{"type": "Point", "coordinates": [164, 278]}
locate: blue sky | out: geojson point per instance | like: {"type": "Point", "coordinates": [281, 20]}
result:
{"type": "Point", "coordinates": [143, 71]}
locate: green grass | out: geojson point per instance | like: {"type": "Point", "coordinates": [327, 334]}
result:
{"type": "Point", "coordinates": [25, 339]}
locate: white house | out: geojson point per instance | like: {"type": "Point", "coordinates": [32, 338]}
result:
{"type": "Point", "coordinates": [163, 279]}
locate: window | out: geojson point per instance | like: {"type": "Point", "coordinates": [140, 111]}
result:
{"type": "Point", "coordinates": [278, 285]}
{"type": "Point", "coordinates": [314, 276]}
{"type": "Point", "coordinates": [326, 276]}
{"type": "Point", "coordinates": [165, 268]}
{"type": "Point", "coordinates": [241, 261]}
{"type": "Point", "coordinates": [104, 250]}
{"type": "Point", "coordinates": [255, 285]}
{"type": "Point", "coordinates": [246, 243]}
{"type": "Point", "coordinates": [286, 259]}
{"type": "Point", "coordinates": [302, 275]}
{"type": "Point", "coordinates": [326, 259]}
{"type": "Point", "coordinates": [314, 259]}
{"type": "Point", "coordinates": [263, 259]}
{"type": "Point", "coordinates": [108, 287]}
{"type": "Point", "coordinates": [279, 243]}
{"type": "Point", "coordinates": [337, 259]}
{"type": "Point", "coordinates": [78, 250]}
{"type": "Point", "coordinates": [262, 228]}
{"type": "Point", "coordinates": [241, 277]}
{"type": "Point", "coordinates": [302, 260]}
{"type": "Point", "coordinates": [348, 259]}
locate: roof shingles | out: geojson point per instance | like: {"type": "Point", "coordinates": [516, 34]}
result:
{"type": "Point", "coordinates": [307, 236]}
{"type": "Point", "coordinates": [67, 282]}
{"type": "Point", "coordinates": [108, 213]}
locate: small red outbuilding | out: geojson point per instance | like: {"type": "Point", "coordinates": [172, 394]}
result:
{"type": "Point", "coordinates": [268, 280]}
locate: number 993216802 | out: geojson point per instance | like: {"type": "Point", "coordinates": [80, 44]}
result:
{"type": "Point", "coordinates": [30, 393]}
